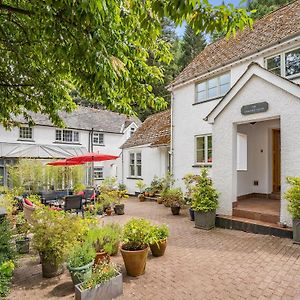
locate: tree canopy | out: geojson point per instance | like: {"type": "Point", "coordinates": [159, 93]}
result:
{"type": "Point", "coordinates": [100, 48]}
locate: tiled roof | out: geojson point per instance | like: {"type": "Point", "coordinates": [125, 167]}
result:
{"type": "Point", "coordinates": [156, 131]}
{"type": "Point", "coordinates": [87, 118]}
{"type": "Point", "coordinates": [270, 30]}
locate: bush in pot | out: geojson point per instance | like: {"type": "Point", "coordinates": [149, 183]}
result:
{"type": "Point", "coordinates": [80, 261]}
{"type": "Point", "coordinates": [134, 250]}
{"type": "Point", "coordinates": [55, 233]}
{"type": "Point", "coordinates": [106, 282]}
{"type": "Point", "coordinates": [119, 195]}
{"type": "Point", "coordinates": [174, 198]}
{"type": "Point", "coordinates": [22, 240]}
{"type": "Point", "coordinates": [204, 202]}
{"type": "Point", "coordinates": [293, 197]}
{"type": "Point", "coordinates": [158, 239]}
{"type": "Point", "coordinates": [141, 186]}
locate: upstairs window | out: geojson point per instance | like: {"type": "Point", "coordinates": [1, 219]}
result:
{"type": "Point", "coordinates": [25, 133]}
{"type": "Point", "coordinates": [135, 164]}
{"type": "Point", "coordinates": [132, 131]}
{"type": "Point", "coordinates": [213, 88]}
{"type": "Point", "coordinates": [67, 136]}
{"type": "Point", "coordinates": [286, 64]}
{"type": "Point", "coordinates": [98, 173]}
{"type": "Point", "coordinates": [204, 149]}
{"type": "Point", "coordinates": [98, 138]}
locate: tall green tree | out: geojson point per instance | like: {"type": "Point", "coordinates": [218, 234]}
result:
{"type": "Point", "coordinates": [192, 44]}
{"type": "Point", "coordinates": [98, 47]}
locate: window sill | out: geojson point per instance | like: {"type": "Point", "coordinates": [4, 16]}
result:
{"type": "Point", "coordinates": [202, 166]}
{"type": "Point", "coordinates": [101, 145]}
{"type": "Point", "coordinates": [98, 178]}
{"type": "Point", "coordinates": [134, 178]}
{"type": "Point", "coordinates": [67, 143]}
{"type": "Point", "coordinates": [208, 100]}
{"type": "Point", "coordinates": [25, 140]}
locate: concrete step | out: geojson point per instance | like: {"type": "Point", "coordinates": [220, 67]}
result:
{"type": "Point", "coordinates": [275, 196]}
{"type": "Point", "coordinates": [255, 215]}
{"type": "Point", "coordinates": [253, 226]}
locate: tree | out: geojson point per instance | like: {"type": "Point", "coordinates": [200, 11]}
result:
{"type": "Point", "coordinates": [100, 48]}
{"type": "Point", "coordinates": [191, 46]}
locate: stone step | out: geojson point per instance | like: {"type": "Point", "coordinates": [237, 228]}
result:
{"type": "Point", "coordinates": [255, 215]}
{"type": "Point", "coordinates": [274, 196]}
{"type": "Point", "coordinates": [253, 226]}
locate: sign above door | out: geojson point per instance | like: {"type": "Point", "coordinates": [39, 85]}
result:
{"type": "Point", "coordinates": [254, 108]}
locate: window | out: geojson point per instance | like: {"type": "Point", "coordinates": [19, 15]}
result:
{"type": "Point", "coordinates": [285, 64]}
{"type": "Point", "coordinates": [204, 149]}
{"type": "Point", "coordinates": [98, 173]}
{"type": "Point", "coordinates": [132, 131]}
{"type": "Point", "coordinates": [242, 154]}
{"type": "Point", "coordinates": [25, 133]}
{"type": "Point", "coordinates": [68, 136]}
{"type": "Point", "coordinates": [135, 164]}
{"type": "Point", "coordinates": [213, 88]}
{"type": "Point", "coordinates": [98, 138]}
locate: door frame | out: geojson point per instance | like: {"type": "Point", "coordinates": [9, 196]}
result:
{"type": "Point", "coordinates": [276, 160]}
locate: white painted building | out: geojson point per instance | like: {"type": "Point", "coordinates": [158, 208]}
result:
{"type": "Point", "coordinates": [236, 110]}
{"type": "Point", "coordinates": [87, 130]}
{"type": "Point", "coordinates": [146, 153]}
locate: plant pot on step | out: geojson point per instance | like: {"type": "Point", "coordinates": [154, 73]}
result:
{"type": "Point", "coordinates": [175, 210]}
{"type": "Point", "coordinates": [158, 249]}
{"type": "Point", "coordinates": [80, 274]}
{"type": "Point", "coordinates": [135, 261]}
{"type": "Point", "coordinates": [119, 209]}
{"type": "Point", "coordinates": [22, 245]}
{"type": "Point", "coordinates": [141, 197]}
{"type": "Point", "coordinates": [159, 200]}
{"type": "Point", "coordinates": [100, 257]}
{"type": "Point", "coordinates": [192, 214]}
{"type": "Point", "coordinates": [106, 291]}
{"type": "Point", "coordinates": [50, 268]}
{"type": "Point", "coordinates": [108, 212]}
{"type": "Point", "coordinates": [296, 231]}
{"type": "Point", "coordinates": [205, 220]}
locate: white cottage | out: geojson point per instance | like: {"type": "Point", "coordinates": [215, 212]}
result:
{"type": "Point", "coordinates": [236, 111]}
{"type": "Point", "coordinates": [146, 153]}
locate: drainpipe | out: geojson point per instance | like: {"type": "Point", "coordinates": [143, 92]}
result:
{"type": "Point", "coordinates": [171, 144]}
{"type": "Point", "coordinates": [92, 164]}
{"type": "Point", "coordinates": [122, 166]}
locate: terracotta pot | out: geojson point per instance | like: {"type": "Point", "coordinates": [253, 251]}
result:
{"type": "Point", "coordinates": [141, 197]}
{"type": "Point", "coordinates": [100, 257]}
{"type": "Point", "coordinates": [108, 212]}
{"type": "Point", "coordinates": [151, 194]}
{"type": "Point", "coordinates": [135, 261]}
{"type": "Point", "coordinates": [159, 248]}
{"type": "Point", "coordinates": [175, 210]}
{"type": "Point", "coordinates": [146, 194]}
{"type": "Point", "coordinates": [159, 200]}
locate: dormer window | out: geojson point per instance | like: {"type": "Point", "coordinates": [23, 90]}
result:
{"type": "Point", "coordinates": [132, 131]}
{"type": "Point", "coordinates": [286, 64]}
{"type": "Point", "coordinates": [212, 88]}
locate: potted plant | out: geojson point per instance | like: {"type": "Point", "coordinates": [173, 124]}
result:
{"type": "Point", "coordinates": [80, 261]}
{"type": "Point", "coordinates": [190, 180]}
{"type": "Point", "coordinates": [174, 199]}
{"type": "Point", "coordinates": [293, 197]}
{"type": "Point", "coordinates": [134, 250]}
{"type": "Point", "coordinates": [141, 186]}
{"type": "Point", "coordinates": [204, 202]}
{"type": "Point", "coordinates": [55, 234]}
{"type": "Point", "coordinates": [118, 206]}
{"type": "Point", "coordinates": [22, 241]}
{"type": "Point", "coordinates": [158, 239]}
{"type": "Point", "coordinates": [147, 191]}
{"type": "Point", "coordinates": [106, 282]}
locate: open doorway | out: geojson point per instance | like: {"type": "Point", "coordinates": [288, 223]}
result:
{"type": "Point", "coordinates": [276, 154]}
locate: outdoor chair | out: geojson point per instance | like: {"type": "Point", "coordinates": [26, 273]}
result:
{"type": "Point", "coordinates": [60, 194]}
{"type": "Point", "coordinates": [88, 195]}
{"type": "Point", "coordinates": [74, 202]}
{"type": "Point", "coordinates": [48, 197]}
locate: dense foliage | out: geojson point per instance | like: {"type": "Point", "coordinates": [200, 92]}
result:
{"type": "Point", "coordinates": [158, 233]}
{"type": "Point", "coordinates": [204, 195]}
{"type": "Point", "coordinates": [99, 48]}
{"type": "Point", "coordinates": [81, 255]}
{"type": "Point", "coordinates": [293, 196]}
{"type": "Point", "coordinates": [173, 197]}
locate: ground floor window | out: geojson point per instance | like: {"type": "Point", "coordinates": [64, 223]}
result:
{"type": "Point", "coordinates": [135, 164]}
{"type": "Point", "coordinates": [98, 173]}
{"type": "Point", "coordinates": [203, 149]}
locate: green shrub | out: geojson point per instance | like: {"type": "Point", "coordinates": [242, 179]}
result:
{"type": "Point", "coordinates": [6, 272]}
{"type": "Point", "coordinates": [81, 255]}
{"type": "Point", "coordinates": [293, 196]}
{"type": "Point", "coordinates": [173, 197]}
{"type": "Point", "coordinates": [158, 233]}
{"type": "Point", "coordinates": [204, 196]}
{"type": "Point", "coordinates": [136, 234]}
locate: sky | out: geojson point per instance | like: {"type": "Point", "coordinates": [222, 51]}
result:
{"type": "Point", "coordinates": [180, 29]}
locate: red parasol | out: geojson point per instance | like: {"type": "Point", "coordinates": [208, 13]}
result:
{"type": "Point", "coordinates": [62, 163]}
{"type": "Point", "coordinates": [90, 157]}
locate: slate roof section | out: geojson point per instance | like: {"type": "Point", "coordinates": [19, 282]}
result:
{"type": "Point", "coordinates": [86, 118]}
{"type": "Point", "coordinates": [280, 25]}
{"type": "Point", "coordinates": [156, 131]}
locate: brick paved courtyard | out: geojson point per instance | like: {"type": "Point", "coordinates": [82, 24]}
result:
{"type": "Point", "coordinates": [219, 264]}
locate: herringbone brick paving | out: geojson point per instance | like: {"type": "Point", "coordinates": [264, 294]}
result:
{"type": "Point", "coordinates": [216, 264]}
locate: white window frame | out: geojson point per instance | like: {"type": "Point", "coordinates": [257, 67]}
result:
{"type": "Point", "coordinates": [206, 162]}
{"type": "Point", "coordinates": [98, 171]}
{"type": "Point", "coordinates": [282, 62]}
{"type": "Point", "coordinates": [61, 140]}
{"type": "Point", "coordinates": [30, 138]}
{"type": "Point", "coordinates": [97, 136]}
{"type": "Point", "coordinates": [135, 164]}
{"type": "Point", "coordinates": [219, 94]}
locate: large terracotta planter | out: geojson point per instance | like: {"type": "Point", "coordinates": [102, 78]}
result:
{"type": "Point", "coordinates": [135, 261]}
{"type": "Point", "coordinates": [205, 220]}
{"type": "Point", "coordinates": [159, 248]}
{"type": "Point", "coordinates": [100, 257]}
